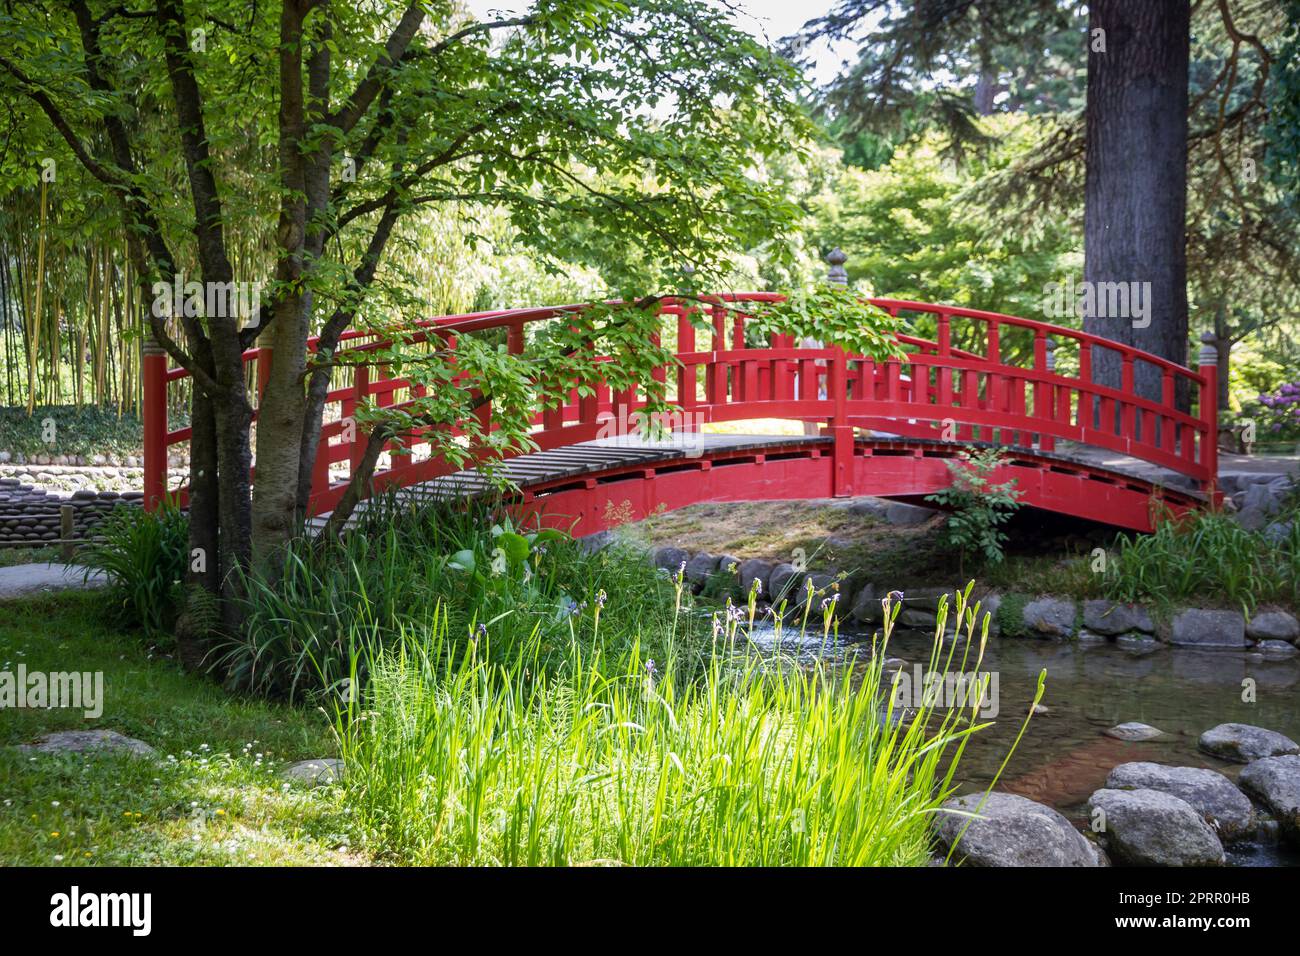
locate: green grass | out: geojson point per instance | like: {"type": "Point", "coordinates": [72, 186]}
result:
{"type": "Point", "coordinates": [396, 575]}
{"type": "Point", "coordinates": [456, 757]}
{"type": "Point", "coordinates": [210, 799]}
{"type": "Point", "coordinates": [24, 555]}
{"type": "Point", "coordinates": [1208, 557]}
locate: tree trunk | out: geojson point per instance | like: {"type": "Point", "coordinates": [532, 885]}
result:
{"type": "Point", "coordinates": [203, 569]}
{"type": "Point", "coordinates": [279, 433]}
{"type": "Point", "coordinates": [1136, 180]}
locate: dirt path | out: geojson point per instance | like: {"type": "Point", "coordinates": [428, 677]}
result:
{"type": "Point", "coordinates": [24, 579]}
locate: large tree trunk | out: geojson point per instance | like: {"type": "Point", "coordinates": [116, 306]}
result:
{"type": "Point", "coordinates": [1136, 179]}
{"type": "Point", "coordinates": [203, 568]}
{"type": "Point", "coordinates": [279, 434]}
{"type": "Point", "coordinates": [280, 419]}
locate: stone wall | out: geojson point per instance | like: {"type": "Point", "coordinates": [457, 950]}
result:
{"type": "Point", "coordinates": [30, 515]}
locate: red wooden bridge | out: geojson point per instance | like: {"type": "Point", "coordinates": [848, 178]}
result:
{"type": "Point", "coordinates": [884, 428]}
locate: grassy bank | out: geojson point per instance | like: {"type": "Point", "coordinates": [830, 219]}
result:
{"type": "Point", "coordinates": [499, 696]}
{"type": "Point", "coordinates": [213, 797]}
{"type": "Point", "coordinates": [1204, 559]}
{"type": "Point", "coordinates": [832, 534]}
{"type": "Point", "coordinates": [457, 757]}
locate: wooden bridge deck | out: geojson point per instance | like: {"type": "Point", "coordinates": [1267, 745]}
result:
{"type": "Point", "coordinates": [619, 457]}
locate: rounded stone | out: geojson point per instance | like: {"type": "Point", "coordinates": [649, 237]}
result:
{"type": "Point", "coordinates": [671, 559]}
{"type": "Point", "coordinates": [781, 580]}
{"type": "Point", "coordinates": [1110, 618]}
{"type": "Point", "coordinates": [1050, 617]}
{"type": "Point", "coordinates": [1210, 793]}
{"type": "Point", "coordinates": [1275, 782]}
{"type": "Point", "coordinates": [1151, 828]}
{"type": "Point", "coordinates": [701, 567]}
{"type": "Point", "coordinates": [317, 772]}
{"type": "Point", "coordinates": [1011, 830]}
{"type": "Point", "coordinates": [84, 741]}
{"type": "Point", "coordinates": [1244, 743]}
{"type": "Point", "coordinates": [755, 569]}
{"type": "Point", "coordinates": [1273, 626]}
{"type": "Point", "coordinates": [1134, 731]}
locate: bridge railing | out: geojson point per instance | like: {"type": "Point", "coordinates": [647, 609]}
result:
{"type": "Point", "coordinates": [726, 373]}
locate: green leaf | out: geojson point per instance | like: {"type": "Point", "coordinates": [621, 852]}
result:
{"type": "Point", "coordinates": [462, 561]}
{"type": "Point", "coordinates": [514, 545]}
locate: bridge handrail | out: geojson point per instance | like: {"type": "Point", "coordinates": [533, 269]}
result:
{"type": "Point", "coordinates": [889, 397]}
{"type": "Point", "coordinates": [904, 305]}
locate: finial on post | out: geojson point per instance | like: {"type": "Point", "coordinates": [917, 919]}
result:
{"type": "Point", "coordinates": [1209, 350]}
{"type": "Point", "coordinates": [837, 275]}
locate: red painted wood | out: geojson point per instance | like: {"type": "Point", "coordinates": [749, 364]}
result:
{"type": "Point", "coordinates": [153, 381]}
{"type": "Point", "coordinates": [983, 396]}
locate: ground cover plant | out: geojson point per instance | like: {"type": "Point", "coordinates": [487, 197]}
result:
{"type": "Point", "coordinates": [214, 796]}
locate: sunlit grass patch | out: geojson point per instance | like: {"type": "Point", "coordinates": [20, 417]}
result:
{"type": "Point", "coordinates": [455, 758]}
{"type": "Point", "coordinates": [213, 796]}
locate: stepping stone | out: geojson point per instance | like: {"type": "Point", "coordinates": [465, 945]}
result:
{"type": "Point", "coordinates": [83, 741]}
{"type": "Point", "coordinates": [1208, 792]}
{"type": "Point", "coordinates": [1151, 828]}
{"type": "Point", "coordinates": [317, 772]}
{"type": "Point", "coordinates": [1244, 743]}
{"type": "Point", "coordinates": [1011, 831]}
{"type": "Point", "coordinates": [1275, 781]}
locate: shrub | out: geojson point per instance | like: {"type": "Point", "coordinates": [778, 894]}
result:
{"type": "Point", "coordinates": [978, 508]}
{"type": "Point", "coordinates": [1276, 414]}
{"type": "Point", "coordinates": [412, 569]}
{"type": "Point", "coordinates": [1011, 615]}
{"type": "Point", "coordinates": [144, 555]}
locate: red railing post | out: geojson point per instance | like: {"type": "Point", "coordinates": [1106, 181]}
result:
{"type": "Point", "coordinates": [1208, 367]}
{"type": "Point", "coordinates": [153, 380]}
{"type": "Point", "coordinates": [840, 429]}
{"type": "Point", "coordinates": [265, 356]}
{"type": "Point", "coordinates": [360, 392]}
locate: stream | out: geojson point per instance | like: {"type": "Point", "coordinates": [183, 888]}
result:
{"type": "Point", "coordinates": [1064, 756]}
